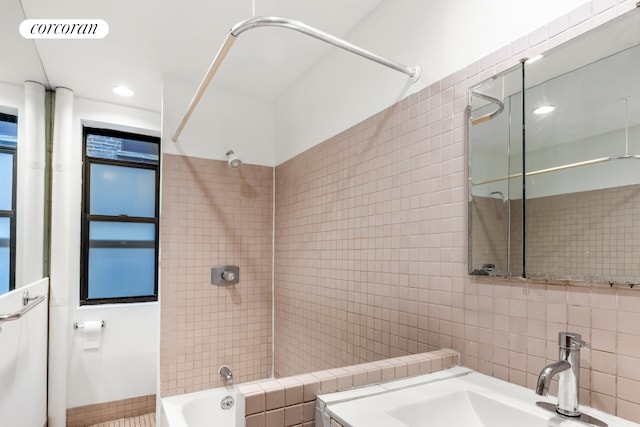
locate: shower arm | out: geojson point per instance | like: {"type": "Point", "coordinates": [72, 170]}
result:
{"type": "Point", "coordinates": [273, 21]}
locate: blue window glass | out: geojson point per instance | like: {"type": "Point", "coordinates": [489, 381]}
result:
{"type": "Point", "coordinates": [120, 222]}
{"type": "Point", "coordinates": [5, 255]}
{"type": "Point", "coordinates": [6, 181]}
{"type": "Point", "coordinates": [121, 259]}
{"type": "Point", "coordinates": [119, 190]}
{"type": "Point", "coordinates": [8, 145]}
{"type": "Point", "coordinates": [8, 131]}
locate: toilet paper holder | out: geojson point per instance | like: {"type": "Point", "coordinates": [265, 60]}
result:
{"type": "Point", "coordinates": [77, 325]}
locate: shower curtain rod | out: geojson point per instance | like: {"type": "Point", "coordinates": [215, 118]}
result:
{"type": "Point", "coordinates": [491, 115]}
{"type": "Point", "coordinates": [274, 21]}
{"type": "Point", "coordinates": [559, 168]}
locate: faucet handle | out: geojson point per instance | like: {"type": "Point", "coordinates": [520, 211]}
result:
{"type": "Point", "coordinates": [571, 341]}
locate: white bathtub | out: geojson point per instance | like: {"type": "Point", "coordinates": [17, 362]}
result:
{"type": "Point", "coordinates": [204, 409]}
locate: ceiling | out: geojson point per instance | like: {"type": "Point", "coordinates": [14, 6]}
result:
{"type": "Point", "coordinates": [151, 39]}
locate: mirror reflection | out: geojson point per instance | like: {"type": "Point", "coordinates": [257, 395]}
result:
{"type": "Point", "coordinates": [8, 142]}
{"type": "Point", "coordinates": [495, 207]}
{"type": "Point", "coordinates": [581, 157]}
{"type": "Point", "coordinates": [22, 110]}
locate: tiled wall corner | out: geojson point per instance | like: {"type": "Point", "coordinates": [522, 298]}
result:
{"type": "Point", "coordinates": [290, 401]}
{"type": "Point", "coordinates": [214, 215]}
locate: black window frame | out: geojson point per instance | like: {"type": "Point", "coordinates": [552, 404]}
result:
{"type": "Point", "coordinates": [88, 218]}
{"type": "Point", "coordinates": [12, 213]}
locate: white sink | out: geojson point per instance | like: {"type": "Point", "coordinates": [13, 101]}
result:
{"type": "Point", "coordinates": [464, 408]}
{"type": "Point", "coordinates": [456, 397]}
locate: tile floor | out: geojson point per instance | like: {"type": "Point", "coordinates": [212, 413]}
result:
{"type": "Point", "coordinates": [146, 420]}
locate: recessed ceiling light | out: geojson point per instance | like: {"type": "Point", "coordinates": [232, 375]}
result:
{"type": "Point", "coordinates": [123, 91]}
{"type": "Point", "coordinates": [544, 109]}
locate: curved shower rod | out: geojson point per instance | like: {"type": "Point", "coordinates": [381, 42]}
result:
{"type": "Point", "coordinates": [491, 115]}
{"type": "Point", "coordinates": [274, 21]}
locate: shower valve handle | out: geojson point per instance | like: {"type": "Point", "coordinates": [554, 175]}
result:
{"type": "Point", "coordinates": [224, 275]}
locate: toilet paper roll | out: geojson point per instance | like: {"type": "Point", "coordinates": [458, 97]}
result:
{"type": "Point", "coordinates": [92, 332]}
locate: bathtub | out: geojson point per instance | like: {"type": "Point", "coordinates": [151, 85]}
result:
{"type": "Point", "coordinates": [218, 407]}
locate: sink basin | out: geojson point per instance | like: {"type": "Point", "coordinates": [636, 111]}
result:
{"type": "Point", "coordinates": [465, 408]}
{"type": "Point", "coordinates": [456, 397]}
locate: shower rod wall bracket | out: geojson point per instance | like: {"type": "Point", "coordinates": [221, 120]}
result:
{"type": "Point", "coordinates": [274, 21]}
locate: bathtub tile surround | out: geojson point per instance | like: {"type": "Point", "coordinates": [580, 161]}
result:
{"type": "Point", "coordinates": [214, 215]}
{"type": "Point", "coordinates": [371, 250]}
{"type": "Point", "coordinates": [303, 389]}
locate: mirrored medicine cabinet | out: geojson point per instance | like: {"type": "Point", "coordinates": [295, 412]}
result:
{"type": "Point", "coordinates": [554, 162]}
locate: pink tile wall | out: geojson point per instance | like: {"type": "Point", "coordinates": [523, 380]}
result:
{"type": "Point", "coordinates": [511, 332]}
{"type": "Point", "coordinates": [213, 215]}
{"type": "Point", "coordinates": [366, 225]}
{"type": "Point", "coordinates": [371, 250]}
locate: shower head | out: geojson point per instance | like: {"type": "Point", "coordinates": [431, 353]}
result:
{"type": "Point", "coordinates": [233, 160]}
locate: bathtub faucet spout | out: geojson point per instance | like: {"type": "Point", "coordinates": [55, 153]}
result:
{"type": "Point", "coordinates": [226, 374]}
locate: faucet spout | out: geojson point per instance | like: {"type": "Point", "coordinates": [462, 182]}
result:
{"type": "Point", "coordinates": [225, 373]}
{"type": "Point", "coordinates": [547, 374]}
{"type": "Point", "coordinates": [568, 371]}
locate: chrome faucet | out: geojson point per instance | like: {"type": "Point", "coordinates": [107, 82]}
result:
{"type": "Point", "coordinates": [568, 371]}
{"type": "Point", "coordinates": [226, 374]}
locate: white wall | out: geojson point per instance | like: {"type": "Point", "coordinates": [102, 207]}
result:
{"type": "Point", "coordinates": [442, 36]}
{"type": "Point", "coordinates": [222, 121]}
{"type": "Point", "coordinates": [125, 364]}
{"type": "Point", "coordinates": [11, 98]}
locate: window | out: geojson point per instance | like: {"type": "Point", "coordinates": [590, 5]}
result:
{"type": "Point", "coordinates": [120, 217]}
{"type": "Point", "coordinates": [8, 145]}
